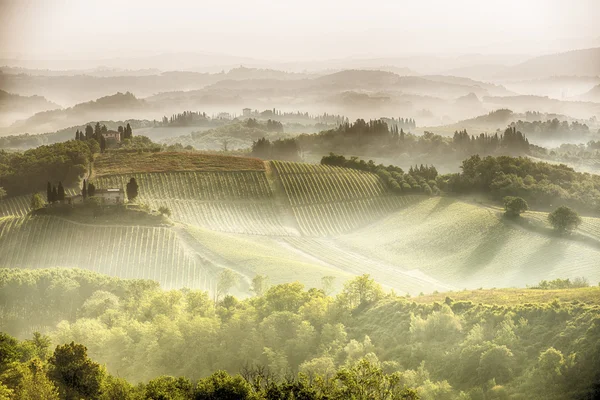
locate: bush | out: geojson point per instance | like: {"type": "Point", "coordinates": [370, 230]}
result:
{"type": "Point", "coordinates": [164, 210]}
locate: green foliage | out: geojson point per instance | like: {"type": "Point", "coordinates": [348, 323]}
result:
{"type": "Point", "coordinates": [23, 173]}
{"type": "Point", "coordinates": [37, 202]}
{"type": "Point", "coordinates": [227, 280]}
{"type": "Point", "coordinates": [562, 284]}
{"type": "Point", "coordinates": [514, 206]}
{"type": "Point", "coordinates": [361, 344]}
{"type": "Point", "coordinates": [260, 284]}
{"type": "Point", "coordinates": [539, 183]}
{"type": "Point", "coordinates": [74, 373]}
{"type": "Point", "coordinates": [564, 219]}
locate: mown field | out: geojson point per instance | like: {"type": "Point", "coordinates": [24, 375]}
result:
{"type": "Point", "coordinates": [122, 251]}
{"type": "Point", "coordinates": [126, 163]}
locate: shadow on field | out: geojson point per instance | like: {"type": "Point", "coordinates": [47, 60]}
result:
{"type": "Point", "coordinates": [491, 244]}
{"type": "Point", "coordinates": [541, 262]}
{"type": "Point", "coordinates": [442, 204]}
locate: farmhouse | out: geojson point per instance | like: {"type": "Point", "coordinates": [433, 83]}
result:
{"type": "Point", "coordinates": [111, 196]}
{"type": "Point", "coordinates": [112, 136]}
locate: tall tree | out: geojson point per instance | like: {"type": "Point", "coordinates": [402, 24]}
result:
{"type": "Point", "coordinates": [102, 144]}
{"type": "Point", "coordinates": [84, 190]}
{"type": "Point", "coordinates": [61, 192]}
{"type": "Point", "coordinates": [132, 189]}
{"type": "Point", "coordinates": [91, 190]}
{"type": "Point", "coordinates": [89, 132]}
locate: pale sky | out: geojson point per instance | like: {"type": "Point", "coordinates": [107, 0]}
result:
{"type": "Point", "coordinates": [292, 30]}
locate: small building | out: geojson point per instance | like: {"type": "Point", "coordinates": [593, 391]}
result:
{"type": "Point", "coordinates": [112, 136]}
{"type": "Point", "coordinates": [111, 196]}
{"type": "Point", "coordinates": [247, 112]}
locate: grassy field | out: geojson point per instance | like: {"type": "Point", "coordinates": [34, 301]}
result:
{"type": "Point", "coordinates": [467, 246]}
{"type": "Point", "coordinates": [126, 163]}
{"type": "Point", "coordinates": [511, 297]}
{"type": "Point", "coordinates": [266, 256]}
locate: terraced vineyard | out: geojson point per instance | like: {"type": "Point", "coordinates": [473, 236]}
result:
{"type": "Point", "coordinates": [123, 251]}
{"type": "Point", "coordinates": [238, 202]}
{"type": "Point", "coordinates": [330, 200]}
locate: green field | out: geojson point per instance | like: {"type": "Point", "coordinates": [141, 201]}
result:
{"type": "Point", "coordinates": [295, 221]}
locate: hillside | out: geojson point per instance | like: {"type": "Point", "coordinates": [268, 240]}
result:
{"type": "Point", "coordinates": [575, 63]}
{"type": "Point", "coordinates": [14, 106]}
{"type": "Point", "coordinates": [119, 106]}
{"type": "Point", "coordinates": [592, 95]}
{"type": "Point", "coordinates": [299, 221]}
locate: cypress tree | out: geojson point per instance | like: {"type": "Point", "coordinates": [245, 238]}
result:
{"type": "Point", "coordinates": [132, 189]}
{"type": "Point", "coordinates": [54, 194]}
{"type": "Point", "coordinates": [61, 192]}
{"type": "Point", "coordinates": [84, 190]}
{"type": "Point", "coordinates": [49, 193]}
{"type": "Point", "coordinates": [102, 144]}
{"type": "Point", "coordinates": [91, 190]}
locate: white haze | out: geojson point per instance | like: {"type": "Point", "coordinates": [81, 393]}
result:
{"type": "Point", "coordinates": [291, 30]}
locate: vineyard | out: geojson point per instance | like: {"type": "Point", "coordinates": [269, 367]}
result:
{"type": "Point", "coordinates": [332, 200]}
{"type": "Point", "coordinates": [238, 202]}
{"type": "Point", "coordinates": [19, 206]}
{"type": "Point", "coordinates": [464, 245]}
{"type": "Point", "coordinates": [123, 251]}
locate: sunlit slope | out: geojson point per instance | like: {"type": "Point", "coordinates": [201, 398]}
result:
{"type": "Point", "coordinates": [122, 251]}
{"type": "Point", "coordinates": [590, 226]}
{"type": "Point", "coordinates": [229, 201]}
{"type": "Point", "coordinates": [467, 246]}
{"type": "Point", "coordinates": [331, 200]}
{"type": "Point", "coordinates": [270, 256]}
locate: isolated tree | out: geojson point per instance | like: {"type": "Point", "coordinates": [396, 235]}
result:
{"type": "Point", "coordinates": [84, 190]}
{"type": "Point", "coordinates": [60, 192]}
{"type": "Point", "coordinates": [227, 280]}
{"type": "Point", "coordinates": [260, 284]}
{"type": "Point", "coordinates": [514, 206]}
{"type": "Point", "coordinates": [564, 219]}
{"type": "Point", "coordinates": [36, 202]}
{"type": "Point", "coordinates": [132, 189]}
{"type": "Point", "coordinates": [76, 375]}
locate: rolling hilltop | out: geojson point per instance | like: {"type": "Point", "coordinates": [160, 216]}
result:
{"type": "Point", "coordinates": [293, 221]}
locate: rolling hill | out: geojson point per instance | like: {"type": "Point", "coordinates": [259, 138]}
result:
{"type": "Point", "coordinates": [294, 221]}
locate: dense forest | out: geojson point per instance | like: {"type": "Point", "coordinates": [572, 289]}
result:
{"type": "Point", "coordinates": [362, 343]}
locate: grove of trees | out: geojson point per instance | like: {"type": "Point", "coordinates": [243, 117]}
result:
{"type": "Point", "coordinates": [362, 343]}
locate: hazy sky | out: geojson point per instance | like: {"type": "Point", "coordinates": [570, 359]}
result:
{"type": "Point", "coordinates": [292, 30]}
